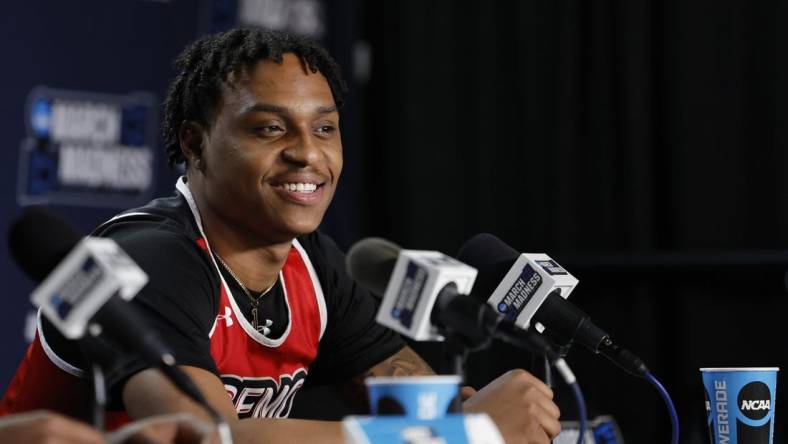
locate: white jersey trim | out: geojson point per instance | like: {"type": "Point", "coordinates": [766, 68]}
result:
{"type": "Point", "coordinates": [183, 188]}
{"type": "Point", "coordinates": [319, 296]}
{"type": "Point", "coordinates": [121, 216]}
{"type": "Point", "coordinates": [53, 357]}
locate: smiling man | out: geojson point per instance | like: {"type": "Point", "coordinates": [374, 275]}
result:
{"type": "Point", "coordinates": [253, 299]}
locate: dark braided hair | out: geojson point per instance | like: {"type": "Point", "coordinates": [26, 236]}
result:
{"type": "Point", "coordinates": [207, 63]}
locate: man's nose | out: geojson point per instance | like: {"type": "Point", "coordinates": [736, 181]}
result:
{"type": "Point", "coordinates": [303, 150]}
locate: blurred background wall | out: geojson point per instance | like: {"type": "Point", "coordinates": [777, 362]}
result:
{"type": "Point", "coordinates": [640, 143]}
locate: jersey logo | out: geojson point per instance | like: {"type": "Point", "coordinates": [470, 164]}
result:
{"type": "Point", "coordinates": [263, 397]}
{"type": "Point", "coordinates": [228, 319]}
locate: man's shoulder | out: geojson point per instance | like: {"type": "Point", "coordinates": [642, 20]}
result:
{"type": "Point", "coordinates": [328, 261]}
{"type": "Point", "coordinates": [163, 229]}
{"type": "Point", "coordinates": [317, 241]}
{"type": "Point", "coordinates": [162, 218]}
{"type": "Point", "coordinates": [321, 249]}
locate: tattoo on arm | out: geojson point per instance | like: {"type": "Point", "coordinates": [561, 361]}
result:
{"type": "Point", "coordinates": [403, 363]}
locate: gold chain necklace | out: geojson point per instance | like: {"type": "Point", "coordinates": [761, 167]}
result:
{"type": "Point", "coordinates": [254, 301]}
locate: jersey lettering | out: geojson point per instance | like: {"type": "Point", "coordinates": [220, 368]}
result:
{"type": "Point", "coordinates": [263, 397]}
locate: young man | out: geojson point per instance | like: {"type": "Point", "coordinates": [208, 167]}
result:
{"type": "Point", "coordinates": [248, 294]}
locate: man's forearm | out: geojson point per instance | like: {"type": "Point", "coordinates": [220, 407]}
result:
{"type": "Point", "coordinates": [267, 430]}
{"type": "Point", "coordinates": [149, 393]}
{"type": "Point", "coordinates": [403, 363]}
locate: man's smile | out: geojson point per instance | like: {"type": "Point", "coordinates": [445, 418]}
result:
{"type": "Point", "coordinates": [299, 188]}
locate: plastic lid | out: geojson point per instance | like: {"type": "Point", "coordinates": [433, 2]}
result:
{"type": "Point", "coordinates": [426, 379]}
{"type": "Point", "coordinates": [740, 369]}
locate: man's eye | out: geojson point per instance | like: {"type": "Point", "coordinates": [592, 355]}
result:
{"type": "Point", "coordinates": [326, 129]}
{"type": "Point", "coordinates": [268, 130]}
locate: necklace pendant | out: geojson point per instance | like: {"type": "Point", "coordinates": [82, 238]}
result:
{"type": "Point", "coordinates": [255, 323]}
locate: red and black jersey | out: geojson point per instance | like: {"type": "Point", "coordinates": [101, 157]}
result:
{"type": "Point", "coordinates": [322, 325]}
{"type": "Point", "coordinates": [262, 374]}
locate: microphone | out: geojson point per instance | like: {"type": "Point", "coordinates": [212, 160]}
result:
{"type": "Point", "coordinates": [425, 295]}
{"type": "Point", "coordinates": [85, 283]}
{"type": "Point", "coordinates": [88, 291]}
{"type": "Point", "coordinates": [527, 287]}
{"type": "Point", "coordinates": [517, 284]}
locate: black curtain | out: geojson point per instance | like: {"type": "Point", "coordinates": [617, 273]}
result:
{"type": "Point", "coordinates": [574, 127]}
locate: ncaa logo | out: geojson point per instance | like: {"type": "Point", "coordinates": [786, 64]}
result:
{"type": "Point", "coordinates": [754, 400]}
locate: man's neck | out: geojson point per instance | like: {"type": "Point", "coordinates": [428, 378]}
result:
{"type": "Point", "coordinates": [257, 266]}
{"type": "Point", "coordinates": [254, 260]}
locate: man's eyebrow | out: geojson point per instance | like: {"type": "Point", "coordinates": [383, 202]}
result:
{"type": "Point", "coordinates": [281, 110]}
{"type": "Point", "coordinates": [265, 108]}
{"type": "Point", "coordinates": [326, 109]}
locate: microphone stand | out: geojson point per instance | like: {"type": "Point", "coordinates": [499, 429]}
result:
{"type": "Point", "coordinates": [466, 329]}
{"type": "Point", "coordinates": [97, 355]}
{"type": "Point", "coordinates": [457, 353]}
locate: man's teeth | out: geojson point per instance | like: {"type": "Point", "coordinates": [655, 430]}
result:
{"type": "Point", "coordinates": [300, 187]}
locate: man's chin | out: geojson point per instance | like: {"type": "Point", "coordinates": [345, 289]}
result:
{"type": "Point", "coordinates": [299, 228]}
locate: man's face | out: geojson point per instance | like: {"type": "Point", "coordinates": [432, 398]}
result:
{"type": "Point", "coordinates": [273, 155]}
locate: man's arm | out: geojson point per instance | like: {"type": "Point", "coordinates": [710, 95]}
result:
{"type": "Point", "coordinates": [405, 362]}
{"type": "Point", "coordinates": [149, 393]}
{"type": "Point", "coordinates": [519, 403]}
{"type": "Point", "coordinates": [47, 427]}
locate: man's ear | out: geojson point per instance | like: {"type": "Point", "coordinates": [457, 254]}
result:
{"type": "Point", "coordinates": [192, 138]}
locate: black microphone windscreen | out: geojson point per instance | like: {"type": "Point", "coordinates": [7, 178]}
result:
{"type": "Point", "coordinates": [370, 262]}
{"type": "Point", "coordinates": [492, 257]}
{"type": "Point", "coordinates": [39, 239]}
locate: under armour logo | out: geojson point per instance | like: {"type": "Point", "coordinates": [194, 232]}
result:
{"type": "Point", "coordinates": [264, 328]}
{"type": "Point", "coordinates": [228, 320]}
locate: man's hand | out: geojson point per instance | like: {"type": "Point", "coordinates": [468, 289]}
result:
{"type": "Point", "coordinates": [520, 405]}
{"type": "Point", "coordinates": [47, 427]}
